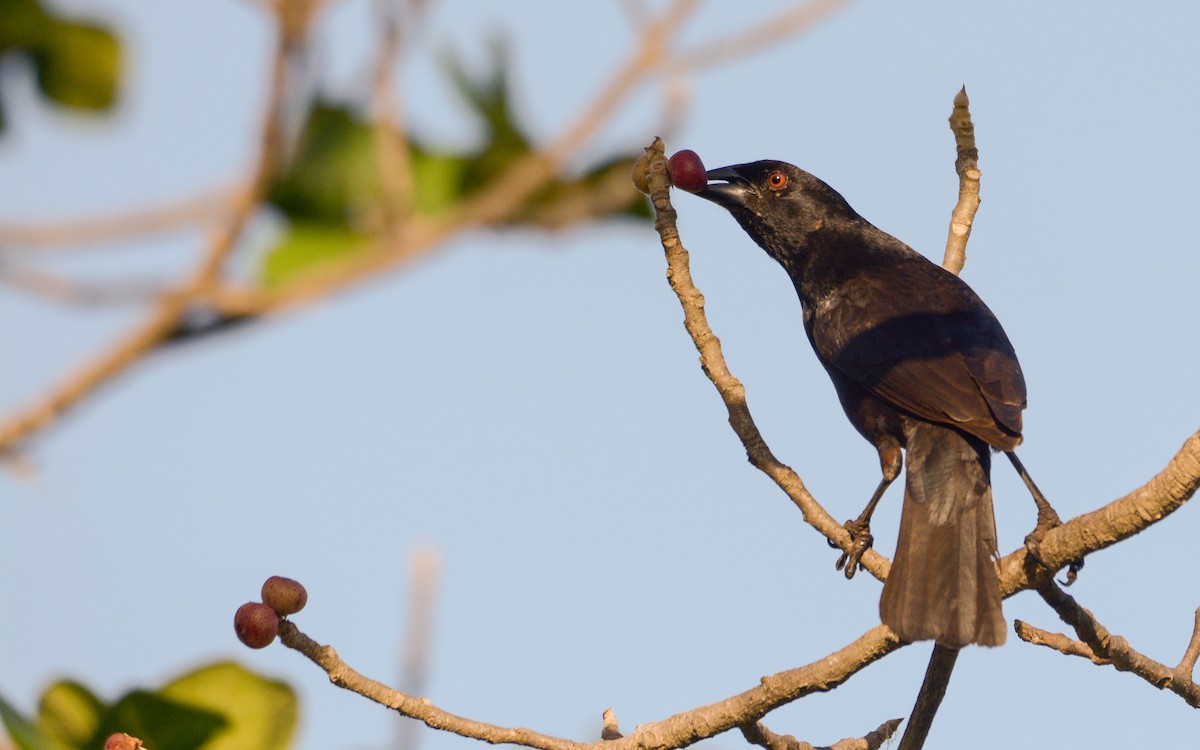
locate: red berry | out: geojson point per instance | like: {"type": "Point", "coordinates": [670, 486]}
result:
{"type": "Point", "coordinates": [285, 596]}
{"type": "Point", "coordinates": [687, 171]}
{"type": "Point", "coordinates": [121, 741]}
{"type": "Point", "coordinates": [256, 624]}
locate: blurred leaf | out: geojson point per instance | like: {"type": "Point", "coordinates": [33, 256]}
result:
{"type": "Point", "coordinates": [78, 63]}
{"type": "Point", "coordinates": [334, 171]}
{"type": "Point", "coordinates": [24, 733]}
{"type": "Point", "coordinates": [259, 713]}
{"type": "Point", "coordinates": [79, 66]}
{"type": "Point", "coordinates": [70, 715]}
{"type": "Point", "coordinates": [221, 706]}
{"type": "Point", "coordinates": [331, 191]}
{"type": "Point", "coordinates": [437, 179]}
{"type": "Point", "coordinates": [306, 246]}
{"type": "Point", "coordinates": [159, 722]}
{"type": "Point", "coordinates": [490, 96]}
{"type": "Point", "coordinates": [24, 24]}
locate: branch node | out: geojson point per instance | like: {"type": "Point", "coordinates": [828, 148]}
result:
{"type": "Point", "coordinates": [611, 730]}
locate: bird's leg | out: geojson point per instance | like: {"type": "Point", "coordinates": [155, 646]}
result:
{"type": "Point", "coordinates": [860, 532]}
{"type": "Point", "coordinates": [1047, 518]}
{"type": "Point", "coordinates": [890, 458]}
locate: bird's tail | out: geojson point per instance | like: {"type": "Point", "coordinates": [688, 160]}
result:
{"type": "Point", "coordinates": [943, 584]}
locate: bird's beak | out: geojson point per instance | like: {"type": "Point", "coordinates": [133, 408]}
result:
{"type": "Point", "coordinates": [731, 189]}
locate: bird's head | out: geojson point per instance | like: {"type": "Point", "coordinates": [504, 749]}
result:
{"type": "Point", "coordinates": [780, 205]}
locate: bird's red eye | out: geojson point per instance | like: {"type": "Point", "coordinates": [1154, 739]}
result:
{"type": "Point", "coordinates": [777, 180]}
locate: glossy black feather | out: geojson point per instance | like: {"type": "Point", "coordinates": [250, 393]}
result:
{"type": "Point", "coordinates": [919, 362]}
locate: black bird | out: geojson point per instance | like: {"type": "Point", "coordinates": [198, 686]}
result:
{"type": "Point", "coordinates": [923, 371]}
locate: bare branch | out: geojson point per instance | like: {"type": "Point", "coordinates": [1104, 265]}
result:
{"type": "Point", "coordinates": [164, 319]}
{"type": "Point", "coordinates": [1106, 648]}
{"type": "Point", "coordinates": [88, 294]}
{"type": "Point", "coordinates": [760, 36]}
{"type": "Point", "coordinates": [60, 233]}
{"type": "Point", "coordinates": [401, 243]}
{"type": "Point", "coordinates": [423, 582]}
{"type": "Point", "coordinates": [1120, 519]}
{"type": "Point", "coordinates": [1019, 571]}
{"type": "Point", "coordinates": [1057, 641]}
{"type": "Point", "coordinates": [1187, 664]}
{"type": "Point", "coordinates": [757, 734]}
{"type": "Point", "coordinates": [680, 730]}
{"type": "Point", "coordinates": [610, 730]}
{"type": "Point", "coordinates": [417, 708]}
{"type": "Point", "coordinates": [967, 167]}
{"type": "Point", "coordinates": [419, 236]}
{"type": "Point", "coordinates": [395, 172]}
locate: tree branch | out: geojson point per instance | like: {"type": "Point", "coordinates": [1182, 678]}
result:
{"type": "Point", "coordinates": [165, 317]}
{"type": "Point", "coordinates": [967, 167]}
{"type": "Point", "coordinates": [1019, 570]}
{"type": "Point", "coordinates": [757, 734]}
{"type": "Point", "coordinates": [59, 233]}
{"type": "Point", "coordinates": [678, 731]}
{"type": "Point", "coordinates": [758, 37]}
{"type": "Point", "coordinates": [1120, 519]}
{"type": "Point", "coordinates": [1102, 647]}
{"type": "Point", "coordinates": [404, 236]}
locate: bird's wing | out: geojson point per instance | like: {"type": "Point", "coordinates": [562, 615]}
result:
{"type": "Point", "coordinates": [938, 354]}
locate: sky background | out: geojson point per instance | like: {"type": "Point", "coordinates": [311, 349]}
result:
{"type": "Point", "coordinates": [530, 405]}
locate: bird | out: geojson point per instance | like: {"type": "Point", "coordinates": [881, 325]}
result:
{"type": "Point", "coordinates": [923, 370]}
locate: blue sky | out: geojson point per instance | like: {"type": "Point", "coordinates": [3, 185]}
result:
{"type": "Point", "coordinates": [530, 405]}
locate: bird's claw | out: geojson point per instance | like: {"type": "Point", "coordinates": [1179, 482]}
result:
{"type": "Point", "coordinates": [1047, 521]}
{"type": "Point", "coordinates": [1073, 571]}
{"type": "Point", "coordinates": [861, 540]}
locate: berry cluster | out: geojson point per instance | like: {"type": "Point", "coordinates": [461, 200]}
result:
{"type": "Point", "coordinates": [257, 623]}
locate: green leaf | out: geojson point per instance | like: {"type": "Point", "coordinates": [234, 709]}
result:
{"type": "Point", "coordinates": [79, 66]}
{"type": "Point", "coordinates": [25, 22]}
{"type": "Point", "coordinates": [334, 174]}
{"type": "Point", "coordinates": [437, 180]}
{"type": "Point", "coordinates": [490, 97]}
{"type": "Point", "coordinates": [161, 723]}
{"type": "Point", "coordinates": [260, 713]}
{"type": "Point", "coordinates": [24, 733]}
{"type": "Point", "coordinates": [306, 246]}
{"type": "Point", "coordinates": [78, 63]}
{"type": "Point", "coordinates": [70, 715]}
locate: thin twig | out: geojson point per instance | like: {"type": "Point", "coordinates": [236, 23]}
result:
{"type": "Point", "coordinates": [61, 234]}
{"type": "Point", "coordinates": [763, 34]}
{"type": "Point", "coordinates": [967, 167]}
{"type": "Point", "coordinates": [164, 318]}
{"type": "Point", "coordinates": [88, 294]}
{"type": "Point", "coordinates": [419, 235]}
{"type": "Point", "coordinates": [395, 171]}
{"type": "Point", "coordinates": [423, 584]}
{"type": "Point", "coordinates": [757, 734]}
{"type": "Point", "coordinates": [411, 239]}
{"type": "Point", "coordinates": [1102, 647]}
{"type": "Point", "coordinates": [1057, 641]}
{"type": "Point", "coordinates": [1188, 663]}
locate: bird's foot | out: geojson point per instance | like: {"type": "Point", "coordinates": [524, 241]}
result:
{"type": "Point", "coordinates": [860, 541]}
{"type": "Point", "coordinates": [1048, 520]}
